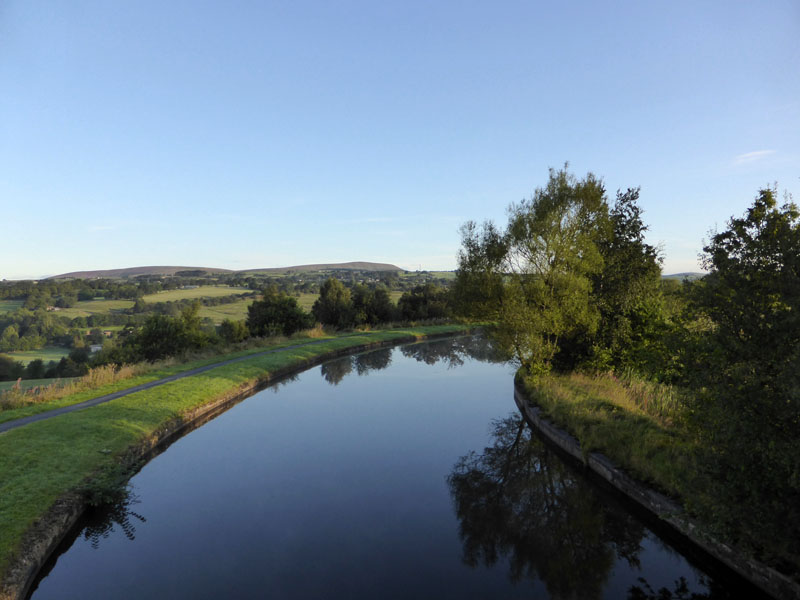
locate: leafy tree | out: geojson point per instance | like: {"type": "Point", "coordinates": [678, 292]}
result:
{"type": "Point", "coordinates": [276, 314]}
{"type": "Point", "coordinates": [9, 340]}
{"type": "Point", "coordinates": [10, 369]}
{"type": "Point", "coordinates": [372, 306]}
{"type": "Point", "coordinates": [334, 305]}
{"type": "Point", "coordinates": [553, 251]}
{"type": "Point", "coordinates": [35, 369]}
{"type": "Point", "coordinates": [627, 290]}
{"type": "Point", "coordinates": [233, 331]}
{"type": "Point", "coordinates": [748, 382]}
{"type": "Point", "coordinates": [478, 288]}
{"type": "Point", "coordinates": [428, 301]}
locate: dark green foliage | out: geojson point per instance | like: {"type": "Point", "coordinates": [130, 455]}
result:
{"type": "Point", "coordinates": [372, 306]}
{"type": "Point", "coordinates": [748, 403]}
{"type": "Point", "coordinates": [478, 288]}
{"type": "Point", "coordinates": [627, 290]}
{"type": "Point", "coordinates": [334, 305]}
{"type": "Point", "coordinates": [276, 314]}
{"type": "Point", "coordinates": [35, 369]}
{"type": "Point", "coordinates": [233, 331]}
{"type": "Point", "coordinates": [10, 369]}
{"type": "Point", "coordinates": [163, 336]}
{"type": "Point", "coordinates": [428, 301]}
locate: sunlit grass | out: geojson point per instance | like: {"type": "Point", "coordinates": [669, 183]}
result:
{"type": "Point", "coordinates": [635, 423]}
{"type": "Point", "coordinates": [204, 291]}
{"type": "Point", "coordinates": [42, 461]}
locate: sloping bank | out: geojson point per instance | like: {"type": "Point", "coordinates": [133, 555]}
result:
{"type": "Point", "coordinates": [44, 463]}
{"type": "Point", "coordinates": [669, 513]}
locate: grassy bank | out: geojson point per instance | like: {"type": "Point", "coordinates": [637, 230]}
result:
{"type": "Point", "coordinates": [641, 428]}
{"type": "Point", "coordinates": [636, 424]}
{"type": "Point", "coordinates": [45, 460]}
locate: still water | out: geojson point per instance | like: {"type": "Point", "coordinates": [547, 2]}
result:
{"type": "Point", "coordinates": [397, 473]}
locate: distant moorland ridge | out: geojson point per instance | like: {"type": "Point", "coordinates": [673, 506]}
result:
{"type": "Point", "coordinates": [135, 271]}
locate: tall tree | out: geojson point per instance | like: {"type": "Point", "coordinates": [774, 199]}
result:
{"type": "Point", "coordinates": [553, 251]}
{"type": "Point", "coordinates": [748, 399]}
{"type": "Point", "coordinates": [334, 305]}
{"type": "Point", "coordinates": [276, 314]}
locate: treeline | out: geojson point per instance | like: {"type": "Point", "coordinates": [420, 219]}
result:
{"type": "Point", "coordinates": [162, 335]}
{"type": "Point", "coordinates": [573, 285]}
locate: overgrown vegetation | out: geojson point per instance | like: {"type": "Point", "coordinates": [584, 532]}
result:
{"type": "Point", "coordinates": [694, 386]}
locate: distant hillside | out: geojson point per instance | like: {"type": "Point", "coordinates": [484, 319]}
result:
{"type": "Point", "coordinates": [682, 276]}
{"type": "Point", "coordinates": [348, 266]}
{"type": "Point", "coordinates": [134, 271]}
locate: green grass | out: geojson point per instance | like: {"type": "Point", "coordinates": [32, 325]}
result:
{"type": "Point", "coordinates": [609, 416]}
{"type": "Point", "coordinates": [7, 306]}
{"type": "Point", "coordinates": [43, 461]}
{"type": "Point", "coordinates": [204, 291]}
{"type": "Point", "coordinates": [27, 384]}
{"type": "Point", "coordinates": [47, 354]}
{"type": "Point", "coordinates": [235, 311]}
{"type": "Point", "coordinates": [86, 308]}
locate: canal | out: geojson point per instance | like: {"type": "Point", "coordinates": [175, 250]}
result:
{"type": "Point", "coordinates": [402, 472]}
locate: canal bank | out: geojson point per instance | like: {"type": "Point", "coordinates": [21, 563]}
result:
{"type": "Point", "coordinates": [659, 506]}
{"type": "Point", "coordinates": [149, 420]}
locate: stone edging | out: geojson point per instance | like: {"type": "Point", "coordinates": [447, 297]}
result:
{"type": "Point", "coordinates": [658, 505]}
{"type": "Point", "coordinates": [42, 539]}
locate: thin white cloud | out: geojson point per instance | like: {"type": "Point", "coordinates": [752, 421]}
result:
{"type": "Point", "coordinates": [750, 157]}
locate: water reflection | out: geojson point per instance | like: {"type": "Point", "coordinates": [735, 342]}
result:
{"type": "Point", "coordinates": [452, 351]}
{"type": "Point", "coordinates": [518, 501]}
{"type": "Point", "coordinates": [100, 522]}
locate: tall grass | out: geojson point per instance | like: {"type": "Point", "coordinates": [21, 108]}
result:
{"type": "Point", "coordinates": [17, 398]}
{"type": "Point", "coordinates": [636, 423]}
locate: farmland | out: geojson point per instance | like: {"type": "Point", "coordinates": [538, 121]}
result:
{"type": "Point", "coordinates": [205, 291]}
{"type": "Point", "coordinates": [46, 354]}
{"type": "Point", "coordinates": [87, 308]}
{"type": "Point", "coordinates": [7, 306]}
{"type": "Point", "coordinates": [235, 311]}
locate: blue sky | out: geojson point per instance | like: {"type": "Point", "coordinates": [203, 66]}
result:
{"type": "Point", "coordinates": [259, 134]}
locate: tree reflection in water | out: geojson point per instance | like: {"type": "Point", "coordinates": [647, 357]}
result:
{"type": "Point", "coordinates": [520, 501]}
{"type": "Point", "coordinates": [451, 351]}
{"type": "Point", "coordinates": [99, 522]}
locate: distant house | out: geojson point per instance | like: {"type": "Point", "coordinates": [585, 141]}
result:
{"type": "Point", "coordinates": [95, 348]}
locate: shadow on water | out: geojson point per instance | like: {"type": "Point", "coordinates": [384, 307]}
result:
{"type": "Point", "coordinates": [517, 501]}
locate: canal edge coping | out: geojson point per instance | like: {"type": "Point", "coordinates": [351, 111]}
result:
{"type": "Point", "coordinates": [658, 505]}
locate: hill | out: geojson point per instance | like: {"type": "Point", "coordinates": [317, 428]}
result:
{"type": "Point", "coordinates": [347, 266]}
{"type": "Point", "coordinates": [135, 271]}
{"type": "Point", "coordinates": [683, 276]}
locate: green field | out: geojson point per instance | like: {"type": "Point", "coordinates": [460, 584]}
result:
{"type": "Point", "coordinates": [235, 311]}
{"type": "Point", "coordinates": [27, 384]}
{"type": "Point", "coordinates": [47, 354]}
{"type": "Point", "coordinates": [205, 291]}
{"type": "Point", "coordinates": [86, 308]}
{"type": "Point", "coordinates": [7, 306]}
